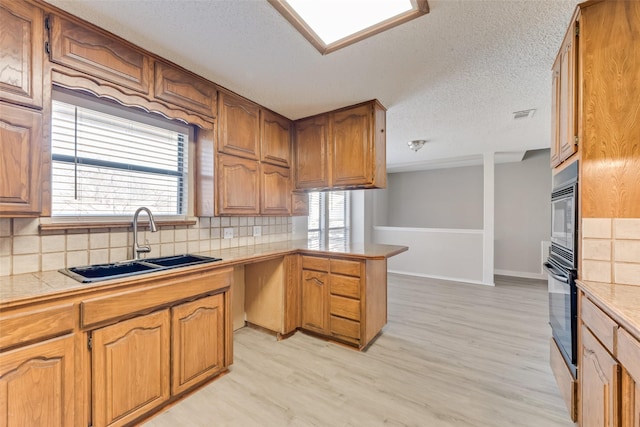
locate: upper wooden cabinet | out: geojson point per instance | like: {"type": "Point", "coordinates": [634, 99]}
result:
{"type": "Point", "coordinates": [22, 50]}
{"type": "Point", "coordinates": [237, 186]}
{"type": "Point", "coordinates": [276, 190]}
{"type": "Point", "coordinates": [275, 139]}
{"type": "Point", "coordinates": [299, 203]}
{"type": "Point", "coordinates": [238, 126]}
{"type": "Point", "coordinates": [99, 54]}
{"type": "Point", "coordinates": [178, 87]}
{"type": "Point", "coordinates": [21, 158]}
{"type": "Point", "coordinates": [311, 153]}
{"type": "Point", "coordinates": [564, 98]}
{"type": "Point", "coordinates": [342, 149]}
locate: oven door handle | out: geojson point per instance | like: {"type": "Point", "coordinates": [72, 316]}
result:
{"type": "Point", "coordinates": [554, 273]}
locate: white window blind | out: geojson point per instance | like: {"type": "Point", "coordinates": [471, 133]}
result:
{"type": "Point", "coordinates": [329, 215]}
{"type": "Point", "coordinates": [107, 165]}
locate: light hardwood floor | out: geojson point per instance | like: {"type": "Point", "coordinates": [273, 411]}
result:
{"type": "Point", "coordinates": [451, 355]}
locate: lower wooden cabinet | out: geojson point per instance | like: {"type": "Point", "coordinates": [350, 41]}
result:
{"type": "Point", "coordinates": [197, 342]}
{"type": "Point", "coordinates": [629, 356]}
{"type": "Point", "coordinates": [344, 299]}
{"type": "Point", "coordinates": [130, 368]}
{"type": "Point", "coordinates": [599, 381]}
{"type": "Point", "coordinates": [37, 384]}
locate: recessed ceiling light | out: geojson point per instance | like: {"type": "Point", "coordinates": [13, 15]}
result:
{"type": "Point", "coordinates": [332, 24]}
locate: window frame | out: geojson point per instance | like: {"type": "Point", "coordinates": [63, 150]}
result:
{"type": "Point", "coordinates": [90, 101]}
{"type": "Point", "coordinates": [324, 229]}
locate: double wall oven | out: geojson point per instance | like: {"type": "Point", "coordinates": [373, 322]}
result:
{"type": "Point", "coordinates": [562, 264]}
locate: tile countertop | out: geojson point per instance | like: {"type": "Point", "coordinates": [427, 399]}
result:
{"type": "Point", "coordinates": [31, 287]}
{"type": "Point", "coordinates": [621, 302]}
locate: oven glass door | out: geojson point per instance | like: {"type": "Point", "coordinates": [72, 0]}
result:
{"type": "Point", "coordinates": [562, 311]}
{"type": "Point", "coordinates": [562, 222]}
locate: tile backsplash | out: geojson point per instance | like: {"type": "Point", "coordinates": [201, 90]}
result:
{"type": "Point", "coordinates": [26, 249]}
{"type": "Point", "coordinates": [611, 250]}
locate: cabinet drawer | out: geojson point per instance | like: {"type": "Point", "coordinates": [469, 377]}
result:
{"type": "Point", "coordinates": [315, 263]}
{"type": "Point", "coordinates": [602, 326]}
{"type": "Point", "coordinates": [124, 304]}
{"type": "Point", "coordinates": [348, 268]}
{"type": "Point", "coordinates": [629, 353]}
{"type": "Point", "coordinates": [345, 286]}
{"type": "Point", "coordinates": [34, 325]}
{"type": "Point", "coordinates": [345, 307]}
{"type": "Point", "coordinates": [345, 328]}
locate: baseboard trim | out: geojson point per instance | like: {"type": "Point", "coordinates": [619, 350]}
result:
{"type": "Point", "coordinates": [447, 278]}
{"type": "Point", "coordinates": [523, 274]}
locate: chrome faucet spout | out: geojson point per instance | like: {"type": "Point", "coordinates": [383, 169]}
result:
{"type": "Point", "coordinates": [137, 248]}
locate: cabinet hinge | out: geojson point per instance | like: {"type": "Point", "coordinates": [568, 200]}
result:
{"type": "Point", "coordinates": [47, 49]}
{"type": "Point", "coordinates": [89, 343]}
{"type": "Point", "coordinates": [577, 30]}
{"type": "Point", "coordinates": [47, 25]}
{"type": "Point", "coordinates": [576, 139]}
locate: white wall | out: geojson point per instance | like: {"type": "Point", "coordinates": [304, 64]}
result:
{"type": "Point", "coordinates": [522, 214]}
{"type": "Point", "coordinates": [441, 198]}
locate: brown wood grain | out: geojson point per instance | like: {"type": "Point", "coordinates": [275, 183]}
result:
{"type": "Point", "coordinates": [610, 51]}
{"type": "Point", "coordinates": [293, 269]}
{"type": "Point", "coordinates": [21, 48]}
{"type": "Point", "coordinates": [345, 286]}
{"type": "Point", "coordinates": [238, 186]}
{"type": "Point", "coordinates": [315, 263]}
{"type": "Point", "coordinates": [311, 153]}
{"type": "Point", "coordinates": [374, 300]}
{"type": "Point", "coordinates": [264, 294]}
{"type": "Point", "coordinates": [187, 90]}
{"type": "Point", "coordinates": [345, 267]}
{"type": "Point", "coordinates": [600, 324]}
{"type": "Point", "coordinates": [314, 305]}
{"type": "Point", "coordinates": [197, 341]}
{"type": "Point", "coordinates": [275, 138]}
{"type": "Point", "coordinates": [275, 194]}
{"type": "Point", "coordinates": [299, 204]}
{"type": "Point", "coordinates": [33, 325]}
{"type": "Point", "coordinates": [352, 146]}
{"type": "Point", "coordinates": [566, 383]}
{"type": "Point", "coordinates": [348, 308]}
{"type": "Point", "coordinates": [238, 126]}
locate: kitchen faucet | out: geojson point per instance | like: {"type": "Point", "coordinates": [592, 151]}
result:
{"type": "Point", "coordinates": [137, 249]}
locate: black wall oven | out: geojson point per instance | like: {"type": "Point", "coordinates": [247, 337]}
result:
{"type": "Point", "coordinates": [562, 264]}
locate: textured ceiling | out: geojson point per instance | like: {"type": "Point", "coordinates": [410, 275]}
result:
{"type": "Point", "coordinates": [453, 76]}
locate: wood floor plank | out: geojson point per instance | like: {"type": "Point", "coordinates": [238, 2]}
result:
{"type": "Point", "coordinates": [451, 355]}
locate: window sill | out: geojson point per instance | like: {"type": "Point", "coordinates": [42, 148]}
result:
{"type": "Point", "coordinates": [81, 225]}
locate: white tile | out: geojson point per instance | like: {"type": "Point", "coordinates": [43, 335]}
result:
{"type": "Point", "coordinates": [26, 263]}
{"type": "Point", "coordinates": [234, 221]}
{"type": "Point", "coordinates": [599, 249]}
{"type": "Point", "coordinates": [26, 226]}
{"type": "Point", "coordinates": [214, 245]}
{"type": "Point", "coordinates": [216, 233]}
{"type": "Point", "coordinates": [118, 239]}
{"type": "Point", "coordinates": [193, 234]}
{"type": "Point", "coordinates": [53, 261]}
{"type": "Point", "coordinates": [599, 228]}
{"type": "Point", "coordinates": [627, 228]}
{"type": "Point", "coordinates": [26, 245]}
{"type": "Point", "coordinates": [205, 222]}
{"type": "Point", "coordinates": [5, 227]}
{"type": "Point", "coordinates": [204, 234]}
{"type": "Point", "coordinates": [98, 240]}
{"type": "Point", "coordinates": [5, 246]}
{"type": "Point", "coordinates": [119, 254]}
{"type": "Point", "coordinates": [180, 235]}
{"type": "Point", "coordinates": [53, 243]}
{"type": "Point", "coordinates": [167, 249]}
{"type": "Point", "coordinates": [205, 245]}
{"type": "Point", "coordinates": [180, 248]}
{"type": "Point", "coordinates": [215, 221]}
{"type": "Point", "coordinates": [225, 221]}
{"type": "Point", "coordinates": [627, 250]}
{"type": "Point", "coordinates": [5, 266]}
{"type": "Point", "coordinates": [167, 236]}
{"type": "Point", "coordinates": [77, 258]}
{"type": "Point", "coordinates": [99, 256]}
{"type": "Point", "coordinates": [193, 246]}
{"type": "Point", "coordinates": [150, 236]}
{"type": "Point", "coordinates": [596, 271]}
{"type": "Point", "coordinates": [243, 221]}
{"type": "Point", "coordinates": [76, 242]}
{"type": "Point", "coordinates": [627, 274]}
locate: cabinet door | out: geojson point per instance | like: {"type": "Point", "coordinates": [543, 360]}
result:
{"type": "Point", "coordinates": [237, 183]}
{"type": "Point", "coordinates": [555, 114]}
{"type": "Point", "coordinates": [629, 355]}
{"type": "Point", "coordinates": [315, 293]}
{"type": "Point", "coordinates": [37, 384]}
{"type": "Point", "coordinates": [238, 126]}
{"type": "Point", "coordinates": [599, 382]}
{"type": "Point", "coordinates": [130, 367]}
{"type": "Point", "coordinates": [276, 190]}
{"type": "Point", "coordinates": [275, 139]}
{"type": "Point", "coordinates": [567, 96]}
{"type": "Point", "coordinates": [311, 145]}
{"type": "Point", "coordinates": [185, 90]}
{"type": "Point", "coordinates": [99, 55]}
{"type": "Point", "coordinates": [22, 48]}
{"type": "Point", "coordinates": [197, 342]}
{"type": "Point", "coordinates": [352, 146]}
{"type": "Point", "coordinates": [20, 161]}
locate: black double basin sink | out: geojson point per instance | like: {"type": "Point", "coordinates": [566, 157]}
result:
{"type": "Point", "coordinates": [95, 273]}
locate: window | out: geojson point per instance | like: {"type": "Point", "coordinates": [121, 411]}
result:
{"type": "Point", "coordinates": [108, 160]}
{"type": "Point", "coordinates": [329, 216]}
{"type": "Point", "coordinates": [333, 24]}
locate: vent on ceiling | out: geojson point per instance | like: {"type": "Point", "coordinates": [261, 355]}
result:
{"type": "Point", "coordinates": [524, 114]}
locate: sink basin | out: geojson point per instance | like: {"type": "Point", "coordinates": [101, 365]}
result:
{"type": "Point", "coordinates": [95, 273]}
